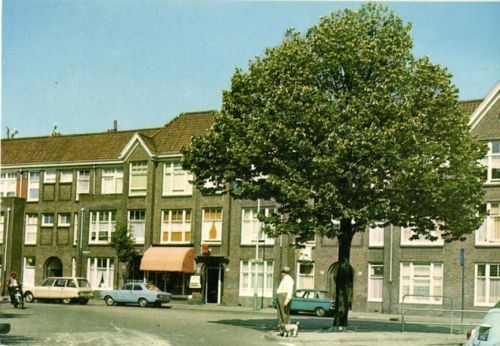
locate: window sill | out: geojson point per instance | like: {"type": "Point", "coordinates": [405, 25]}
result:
{"type": "Point", "coordinates": [484, 305]}
{"type": "Point", "coordinates": [422, 302]}
{"type": "Point", "coordinates": [486, 245]}
{"type": "Point", "coordinates": [177, 195]}
{"type": "Point", "coordinates": [422, 245]}
{"type": "Point", "coordinates": [373, 300]}
{"type": "Point", "coordinates": [255, 244]}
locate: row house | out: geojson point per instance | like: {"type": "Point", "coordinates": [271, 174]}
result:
{"type": "Point", "coordinates": [63, 196]}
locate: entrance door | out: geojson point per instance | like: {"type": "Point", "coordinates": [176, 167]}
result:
{"type": "Point", "coordinates": [53, 267]}
{"type": "Point", "coordinates": [213, 289]}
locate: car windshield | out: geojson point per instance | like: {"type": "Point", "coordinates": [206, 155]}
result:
{"type": "Point", "coordinates": [152, 287]}
{"type": "Point", "coordinates": [83, 283]}
{"type": "Point", "coordinates": [322, 294]}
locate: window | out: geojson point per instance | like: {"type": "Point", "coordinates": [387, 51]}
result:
{"type": "Point", "coordinates": [102, 224]}
{"type": "Point", "coordinates": [82, 183]}
{"type": "Point", "coordinates": [492, 162]}
{"type": "Point", "coordinates": [305, 275]}
{"type": "Point", "coordinates": [251, 227]}
{"type": "Point", "coordinates": [63, 220]}
{"type": "Point", "coordinates": [2, 226]}
{"type": "Point", "coordinates": [423, 282]}
{"type": "Point", "coordinates": [33, 186]}
{"type": "Point", "coordinates": [489, 233]}
{"type": "Point", "coordinates": [137, 224]}
{"type": "Point", "coordinates": [176, 180]}
{"type": "Point", "coordinates": [8, 183]}
{"type": "Point", "coordinates": [211, 228]}
{"type": "Point", "coordinates": [406, 233]}
{"type": "Point", "coordinates": [65, 176]}
{"type": "Point", "coordinates": [31, 229]}
{"type": "Point", "coordinates": [138, 178]}
{"type": "Point", "coordinates": [375, 282]}
{"type": "Point", "coordinates": [49, 177]}
{"type": "Point", "coordinates": [100, 272]}
{"type": "Point", "coordinates": [263, 271]}
{"type": "Point", "coordinates": [47, 220]}
{"type": "Point", "coordinates": [487, 285]}
{"type": "Point", "coordinates": [75, 228]}
{"type": "Point", "coordinates": [112, 180]}
{"type": "Point", "coordinates": [176, 226]}
{"type": "Point", "coordinates": [376, 237]}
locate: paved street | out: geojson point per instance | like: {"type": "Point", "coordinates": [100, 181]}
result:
{"type": "Point", "coordinates": [182, 324]}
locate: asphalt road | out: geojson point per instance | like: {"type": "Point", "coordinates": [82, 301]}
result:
{"type": "Point", "coordinates": [98, 324]}
{"type": "Point", "coordinates": [179, 324]}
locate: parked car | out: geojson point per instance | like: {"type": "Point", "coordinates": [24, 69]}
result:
{"type": "Point", "coordinates": [488, 332]}
{"type": "Point", "coordinates": [67, 289]}
{"type": "Point", "coordinates": [311, 301]}
{"type": "Point", "coordinates": [136, 293]}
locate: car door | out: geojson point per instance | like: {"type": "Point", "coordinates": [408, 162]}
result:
{"type": "Point", "coordinates": [299, 301]}
{"type": "Point", "coordinates": [56, 291]}
{"type": "Point", "coordinates": [139, 292]}
{"type": "Point", "coordinates": [42, 291]}
{"type": "Point", "coordinates": [124, 294]}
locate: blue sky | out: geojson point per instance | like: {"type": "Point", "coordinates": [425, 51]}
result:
{"type": "Point", "coordinates": [83, 63]}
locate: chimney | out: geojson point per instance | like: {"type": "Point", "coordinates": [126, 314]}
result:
{"type": "Point", "coordinates": [115, 126]}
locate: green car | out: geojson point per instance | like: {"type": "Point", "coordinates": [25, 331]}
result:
{"type": "Point", "coordinates": [311, 301]}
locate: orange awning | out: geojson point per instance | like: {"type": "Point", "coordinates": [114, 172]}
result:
{"type": "Point", "coordinates": [168, 259]}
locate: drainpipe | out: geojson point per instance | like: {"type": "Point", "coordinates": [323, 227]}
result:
{"type": "Point", "coordinates": [390, 267]}
{"type": "Point", "coordinates": [80, 242]}
{"type": "Point", "coordinates": [6, 243]}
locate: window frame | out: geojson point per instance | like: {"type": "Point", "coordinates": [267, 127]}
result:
{"type": "Point", "coordinates": [171, 174]}
{"type": "Point", "coordinates": [431, 278]}
{"type": "Point", "coordinates": [44, 222]}
{"type": "Point", "coordinates": [484, 235]}
{"type": "Point", "coordinates": [30, 229]}
{"type": "Point", "coordinates": [8, 184]}
{"type": "Point", "coordinates": [267, 274]}
{"type": "Point", "coordinates": [81, 179]}
{"type": "Point", "coordinates": [33, 185]}
{"type": "Point", "coordinates": [374, 278]}
{"type": "Point", "coordinates": [254, 221]}
{"type": "Point", "coordinates": [487, 285]}
{"type": "Point", "coordinates": [50, 176]}
{"type": "Point", "coordinates": [98, 227]}
{"type": "Point", "coordinates": [136, 221]}
{"type": "Point", "coordinates": [103, 265]}
{"type": "Point", "coordinates": [134, 175]}
{"type": "Point", "coordinates": [59, 219]}
{"type": "Point", "coordinates": [65, 176]}
{"type": "Point", "coordinates": [374, 236]}
{"type": "Point", "coordinates": [167, 227]}
{"type": "Point", "coordinates": [115, 177]}
{"type": "Point", "coordinates": [302, 277]}
{"type": "Point", "coordinates": [207, 224]}
{"type": "Point", "coordinates": [421, 241]}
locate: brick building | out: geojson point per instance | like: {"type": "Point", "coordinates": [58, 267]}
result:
{"type": "Point", "coordinates": [62, 197]}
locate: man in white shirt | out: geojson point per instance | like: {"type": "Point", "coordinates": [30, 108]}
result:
{"type": "Point", "coordinates": [284, 296]}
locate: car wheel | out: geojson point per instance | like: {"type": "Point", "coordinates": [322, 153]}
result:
{"type": "Point", "coordinates": [83, 301]}
{"type": "Point", "coordinates": [28, 296]}
{"type": "Point", "coordinates": [143, 302]}
{"type": "Point", "coordinates": [109, 301]}
{"type": "Point", "coordinates": [66, 300]}
{"type": "Point", "coordinates": [320, 312]}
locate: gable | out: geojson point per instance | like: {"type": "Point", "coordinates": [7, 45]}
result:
{"type": "Point", "coordinates": [485, 121]}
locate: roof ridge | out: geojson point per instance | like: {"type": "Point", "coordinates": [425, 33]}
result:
{"type": "Point", "coordinates": [84, 134]}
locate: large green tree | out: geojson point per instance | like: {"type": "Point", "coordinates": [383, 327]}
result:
{"type": "Point", "coordinates": [344, 123]}
{"type": "Point", "coordinates": [123, 244]}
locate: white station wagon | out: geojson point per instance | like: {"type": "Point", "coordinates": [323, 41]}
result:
{"type": "Point", "coordinates": [67, 289]}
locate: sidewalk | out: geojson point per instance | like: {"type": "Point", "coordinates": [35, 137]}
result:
{"type": "Point", "coordinates": [365, 328]}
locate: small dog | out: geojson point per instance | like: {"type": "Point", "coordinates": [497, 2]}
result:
{"type": "Point", "coordinates": [290, 330]}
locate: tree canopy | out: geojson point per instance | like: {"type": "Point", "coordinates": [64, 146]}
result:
{"type": "Point", "coordinates": [343, 122]}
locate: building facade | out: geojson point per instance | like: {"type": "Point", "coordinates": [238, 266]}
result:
{"type": "Point", "coordinates": [63, 196]}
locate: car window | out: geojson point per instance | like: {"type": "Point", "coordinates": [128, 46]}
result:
{"type": "Point", "coordinates": [127, 287]}
{"type": "Point", "coordinates": [47, 282]}
{"type": "Point", "coordinates": [137, 288]}
{"type": "Point", "coordinates": [83, 283]}
{"type": "Point", "coordinates": [60, 283]}
{"type": "Point", "coordinates": [152, 287]}
{"type": "Point", "coordinates": [71, 283]}
{"type": "Point", "coordinates": [322, 294]}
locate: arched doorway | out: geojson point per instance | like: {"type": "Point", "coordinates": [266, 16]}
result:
{"type": "Point", "coordinates": [53, 267]}
{"type": "Point", "coordinates": [332, 272]}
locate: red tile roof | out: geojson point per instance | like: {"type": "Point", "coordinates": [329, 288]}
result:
{"type": "Point", "coordinates": [105, 146]}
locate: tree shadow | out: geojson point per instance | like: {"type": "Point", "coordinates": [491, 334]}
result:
{"type": "Point", "coordinates": [324, 325]}
{"type": "Point", "coordinates": [17, 340]}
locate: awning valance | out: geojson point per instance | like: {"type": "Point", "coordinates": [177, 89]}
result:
{"type": "Point", "coordinates": [168, 259]}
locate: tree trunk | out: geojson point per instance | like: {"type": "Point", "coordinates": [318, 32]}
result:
{"type": "Point", "coordinates": [345, 275]}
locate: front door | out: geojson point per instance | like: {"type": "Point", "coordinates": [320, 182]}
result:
{"type": "Point", "coordinates": [215, 278]}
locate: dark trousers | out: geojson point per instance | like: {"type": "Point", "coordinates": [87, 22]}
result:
{"type": "Point", "coordinates": [283, 311]}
